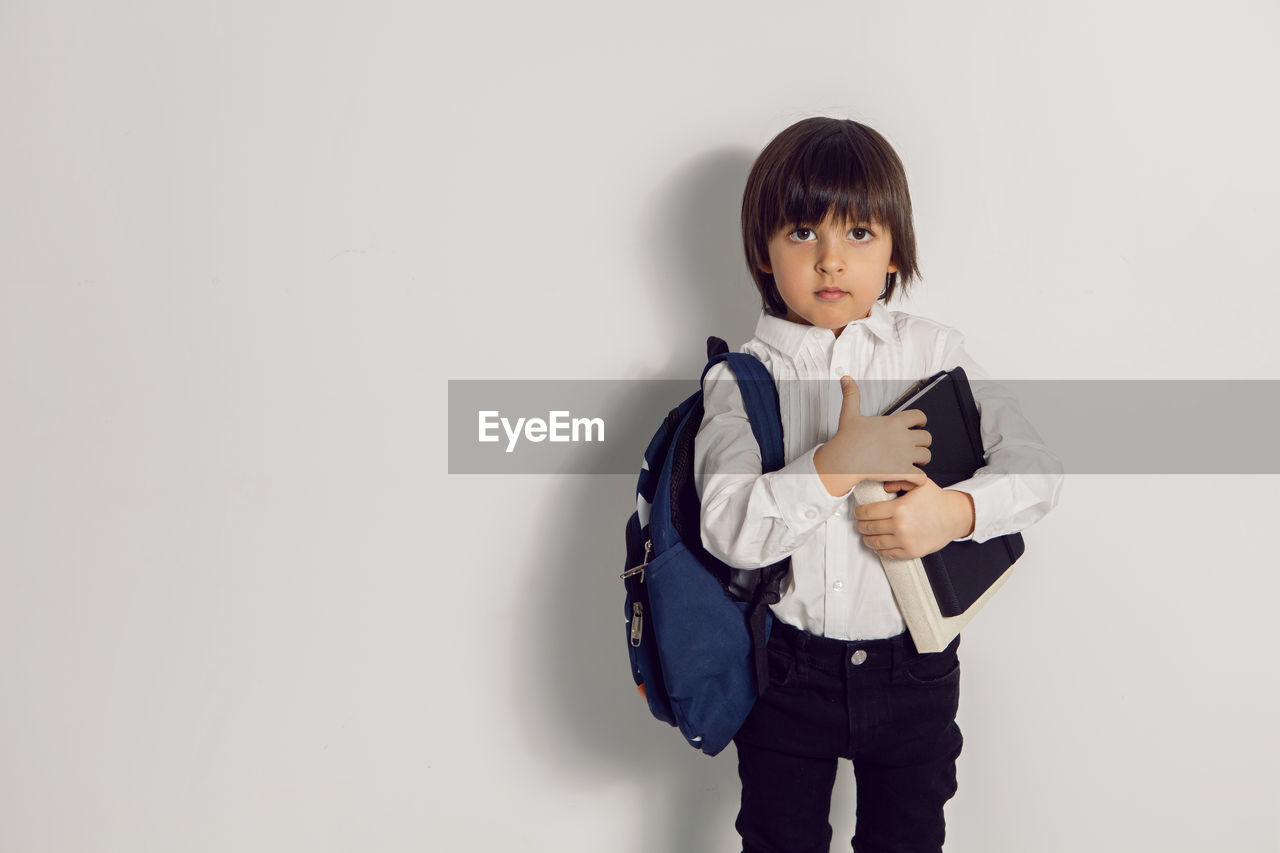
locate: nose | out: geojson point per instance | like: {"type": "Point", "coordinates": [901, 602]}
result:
{"type": "Point", "coordinates": [831, 258]}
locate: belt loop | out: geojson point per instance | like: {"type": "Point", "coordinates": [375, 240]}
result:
{"type": "Point", "coordinates": [902, 649]}
{"type": "Point", "coordinates": [802, 654]}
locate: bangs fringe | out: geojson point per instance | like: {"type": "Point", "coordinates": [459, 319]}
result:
{"type": "Point", "coordinates": [830, 177]}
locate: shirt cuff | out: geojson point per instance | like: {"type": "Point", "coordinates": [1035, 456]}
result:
{"type": "Point", "coordinates": [985, 492]}
{"type": "Point", "coordinates": [803, 502]}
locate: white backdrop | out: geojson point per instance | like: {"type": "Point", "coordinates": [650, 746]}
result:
{"type": "Point", "coordinates": [243, 605]}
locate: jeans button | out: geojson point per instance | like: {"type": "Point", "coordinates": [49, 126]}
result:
{"type": "Point", "coordinates": [858, 657]}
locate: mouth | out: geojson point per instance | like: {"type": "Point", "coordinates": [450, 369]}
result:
{"type": "Point", "coordinates": [830, 294]}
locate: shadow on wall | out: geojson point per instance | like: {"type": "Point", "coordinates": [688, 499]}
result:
{"type": "Point", "coordinates": [701, 285]}
{"type": "Point", "coordinates": [584, 716]}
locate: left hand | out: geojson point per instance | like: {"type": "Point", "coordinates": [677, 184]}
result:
{"type": "Point", "coordinates": [920, 522]}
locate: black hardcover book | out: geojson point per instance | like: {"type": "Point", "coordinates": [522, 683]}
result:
{"type": "Point", "coordinates": [962, 571]}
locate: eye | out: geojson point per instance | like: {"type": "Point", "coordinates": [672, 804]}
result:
{"type": "Point", "coordinates": [802, 235]}
{"type": "Point", "coordinates": [860, 235]}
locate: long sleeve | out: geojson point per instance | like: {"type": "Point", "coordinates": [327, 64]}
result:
{"type": "Point", "coordinates": [1022, 478]}
{"type": "Point", "coordinates": [751, 519]}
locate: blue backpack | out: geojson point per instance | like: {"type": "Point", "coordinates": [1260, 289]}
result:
{"type": "Point", "coordinates": [696, 627]}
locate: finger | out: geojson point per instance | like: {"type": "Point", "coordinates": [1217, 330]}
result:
{"type": "Point", "coordinates": [851, 405]}
{"type": "Point", "coordinates": [922, 437]}
{"type": "Point", "coordinates": [877, 511]}
{"type": "Point", "coordinates": [899, 486]}
{"type": "Point", "coordinates": [877, 543]}
{"type": "Point", "coordinates": [886, 546]}
{"type": "Point", "coordinates": [911, 417]}
{"type": "Point", "coordinates": [917, 477]}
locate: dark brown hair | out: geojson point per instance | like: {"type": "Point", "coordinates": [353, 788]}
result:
{"type": "Point", "coordinates": [819, 166]}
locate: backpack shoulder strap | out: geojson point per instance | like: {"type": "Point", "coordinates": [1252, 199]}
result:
{"type": "Point", "coordinates": [760, 396]}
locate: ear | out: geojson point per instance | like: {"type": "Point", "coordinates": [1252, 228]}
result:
{"type": "Point", "coordinates": [766, 268]}
{"type": "Point", "coordinates": [892, 267]}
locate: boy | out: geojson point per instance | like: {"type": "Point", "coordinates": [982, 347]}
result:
{"type": "Point", "coordinates": [827, 229]}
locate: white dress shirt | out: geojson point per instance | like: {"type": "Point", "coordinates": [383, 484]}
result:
{"type": "Point", "coordinates": [837, 587]}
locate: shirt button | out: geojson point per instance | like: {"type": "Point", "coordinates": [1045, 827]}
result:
{"type": "Point", "coordinates": [810, 513]}
{"type": "Point", "coordinates": [838, 585]}
{"type": "Point", "coordinates": [858, 658]}
{"type": "Point", "coordinates": [840, 371]}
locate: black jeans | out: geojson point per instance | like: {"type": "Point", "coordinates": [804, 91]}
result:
{"type": "Point", "coordinates": [880, 703]}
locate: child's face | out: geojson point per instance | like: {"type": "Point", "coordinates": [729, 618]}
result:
{"type": "Point", "coordinates": [829, 274]}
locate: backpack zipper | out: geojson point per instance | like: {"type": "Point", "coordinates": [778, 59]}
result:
{"type": "Point", "coordinates": [648, 558]}
{"type": "Point", "coordinates": [637, 622]}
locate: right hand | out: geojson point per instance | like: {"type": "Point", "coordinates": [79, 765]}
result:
{"type": "Point", "coordinates": [872, 447]}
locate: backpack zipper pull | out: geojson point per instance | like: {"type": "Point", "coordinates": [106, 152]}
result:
{"type": "Point", "coordinates": [637, 622]}
{"type": "Point", "coordinates": [648, 557]}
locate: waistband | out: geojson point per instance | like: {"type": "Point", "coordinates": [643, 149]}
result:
{"type": "Point", "coordinates": [837, 655]}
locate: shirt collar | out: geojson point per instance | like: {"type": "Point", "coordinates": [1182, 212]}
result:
{"type": "Point", "coordinates": [788, 337]}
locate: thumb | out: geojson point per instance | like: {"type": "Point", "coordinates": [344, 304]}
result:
{"type": "Point", "coordinates": [850, 407]}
